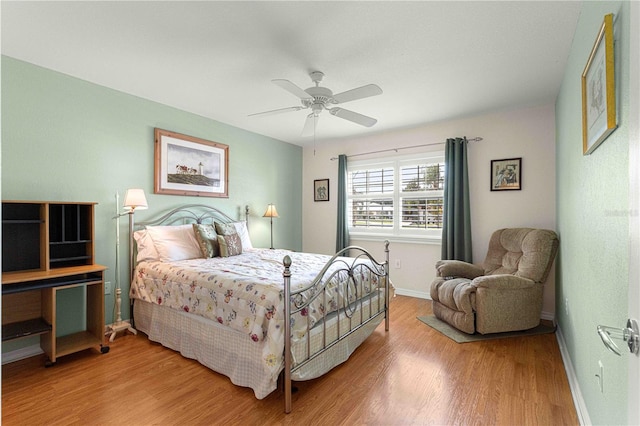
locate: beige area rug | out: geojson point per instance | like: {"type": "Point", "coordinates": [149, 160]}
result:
{"type": "Point", "coordinates": [461, 337]}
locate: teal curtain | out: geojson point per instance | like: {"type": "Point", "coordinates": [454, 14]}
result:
{"type": "Point", "coordinates": [342, 235]}
{"type": "Point", "coordinates": [456, 226]}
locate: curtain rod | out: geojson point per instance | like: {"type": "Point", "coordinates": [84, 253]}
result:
{"type": "Point", "coordinates": [476, 139]}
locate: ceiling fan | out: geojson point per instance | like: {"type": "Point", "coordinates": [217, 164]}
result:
{"type": "Point", "coordinates": [318, 98]}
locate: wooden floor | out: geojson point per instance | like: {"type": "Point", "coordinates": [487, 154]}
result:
{"type": "Point", "coordinates": [410, 375]}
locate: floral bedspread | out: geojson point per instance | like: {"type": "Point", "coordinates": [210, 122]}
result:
{"type": "Point", "coordinates": [244, 292]}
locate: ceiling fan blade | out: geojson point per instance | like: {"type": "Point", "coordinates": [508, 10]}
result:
{"type": "Point", "coordinates": [277, 111]}
{"type": "Point", "coordinates": [310, 125]}
{"type": "Point", "coordinates": [363, 120]}
{"type": "Point", "coordinates": [357, 93]}
{"type": "Point", "coordinates": [292, 88]}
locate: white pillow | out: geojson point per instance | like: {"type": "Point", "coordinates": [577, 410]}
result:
{"type": "Point", "coordinates": [175, 242]}
{"type": "Point", "coordinates": [146, 249]}
{"type": "Point", "coordinates": [241, 229]}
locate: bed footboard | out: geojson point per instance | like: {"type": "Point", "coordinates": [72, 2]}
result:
{"type": "Point", "coordinates": [362, 303]}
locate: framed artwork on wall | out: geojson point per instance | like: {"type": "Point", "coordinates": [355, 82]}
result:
{"type": "Point", "coordinates": [186, 165]}
{"type": "Point", "coordinates": [321, 190]}
{"type": "Point", "coordinates": [506, 174]}
{"type": "Point", "coordinates": [599, 117]}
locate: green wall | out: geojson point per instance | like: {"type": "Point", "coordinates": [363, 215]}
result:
{"type": "Point", "coordinates": [593, 221]}
{"type": "Point", "coordinates": [65, 139]}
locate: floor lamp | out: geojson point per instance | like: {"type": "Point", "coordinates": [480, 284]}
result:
{"type": "Point", "coordinates": [271, 213]}
{"type": "Point", "coordinates": [133, 199]}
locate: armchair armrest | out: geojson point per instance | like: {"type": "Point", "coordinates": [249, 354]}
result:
{"type": "Point", "coordinates": [458, 269]}
{"type": "Point", "coordinates": [502, 281]}
{"type": "Point", "coordinates": [506, 303]}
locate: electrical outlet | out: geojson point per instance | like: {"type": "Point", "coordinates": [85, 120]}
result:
{"type": "Point", "coordinates": [107, 287]}
{"type": "Point", "coordinates": [566, 306]}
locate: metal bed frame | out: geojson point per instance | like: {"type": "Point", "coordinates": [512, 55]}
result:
{"type": "Point", "coordinates": [355, 313]}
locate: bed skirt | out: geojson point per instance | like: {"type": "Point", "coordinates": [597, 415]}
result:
{"type": "Point", "coordinates": [222, 349]}
{"type": "Point", "coordinates": [231, 353]}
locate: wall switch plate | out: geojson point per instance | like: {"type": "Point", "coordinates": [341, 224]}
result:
{"type": "Point", "coordinates": [107, 287]}
{"type": "Point", "coordinates": [601, 376]}
{"type": "Point", "coordinates": [397, 264]}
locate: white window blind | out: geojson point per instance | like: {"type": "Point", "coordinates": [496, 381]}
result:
{"type": "Point", "coordinates": [397, 196]}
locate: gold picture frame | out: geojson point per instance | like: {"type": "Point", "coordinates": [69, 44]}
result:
{"type": "Point", "coordinates": [186, 165]}
{"type": "Point", "coordinates": [599, 117]}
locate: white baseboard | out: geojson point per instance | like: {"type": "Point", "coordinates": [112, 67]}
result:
{"type": "Point", "coordinates": [548, 316]}
{"type": "Point", "coordinates": [412, 293]}
{"type": "Point", "coordinates": [22, 353]}
{"type": "Point", "coordinates": [578, 400]}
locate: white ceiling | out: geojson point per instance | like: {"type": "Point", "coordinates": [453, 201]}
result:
{"type": "Point", "coordinates": [433, 60]}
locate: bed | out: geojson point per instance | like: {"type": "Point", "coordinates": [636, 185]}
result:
{"type": "Point", "coordinates": [254, 315]}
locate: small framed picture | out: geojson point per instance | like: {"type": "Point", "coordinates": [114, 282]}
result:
{"type": "Point", "coordinates": [506, 174]}
{"type": "Point", "coordinates": [321, 190]}
{"type": "Point", "coordinates": [599, 117]}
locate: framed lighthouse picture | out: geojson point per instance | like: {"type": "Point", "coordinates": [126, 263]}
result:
{"type": "Point", "coordinates": [186, 165]}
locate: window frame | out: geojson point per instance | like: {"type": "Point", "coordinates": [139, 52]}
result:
{"type": "Point", "coordinates": [396, 232]}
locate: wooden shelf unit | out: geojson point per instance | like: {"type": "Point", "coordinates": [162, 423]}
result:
{"type": "Point", "coordinates": [47, 247]}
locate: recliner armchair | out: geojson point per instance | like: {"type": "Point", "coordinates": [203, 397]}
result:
{"type": "Point", "coordinates": [505, 293]}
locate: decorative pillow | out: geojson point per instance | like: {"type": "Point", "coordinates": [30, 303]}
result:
{"type": "Point", "coordinates": [225, 228]}
{"type": "Point", "coordinates": [239, 228]}
{"type": "Point", "coordinates": [230, 245]}
{"type": "Point", "coordinates": [175, 242]}
{"type": "Point", "coordinates": [207, 239]}
{"type": "Point", "coordinates": [146, 250]}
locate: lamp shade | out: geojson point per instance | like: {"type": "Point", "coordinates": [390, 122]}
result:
{"type": "Point", "coordinates": [135, 199]}
{"type": "Point", "coordinates": [271, 211]}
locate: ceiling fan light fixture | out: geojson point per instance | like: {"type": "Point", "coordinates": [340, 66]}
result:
{"type": "Point", "coordinates": [317, 98]}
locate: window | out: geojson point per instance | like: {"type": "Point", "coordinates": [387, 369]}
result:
{"type": "Point", "coordinates": [397, 197]}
